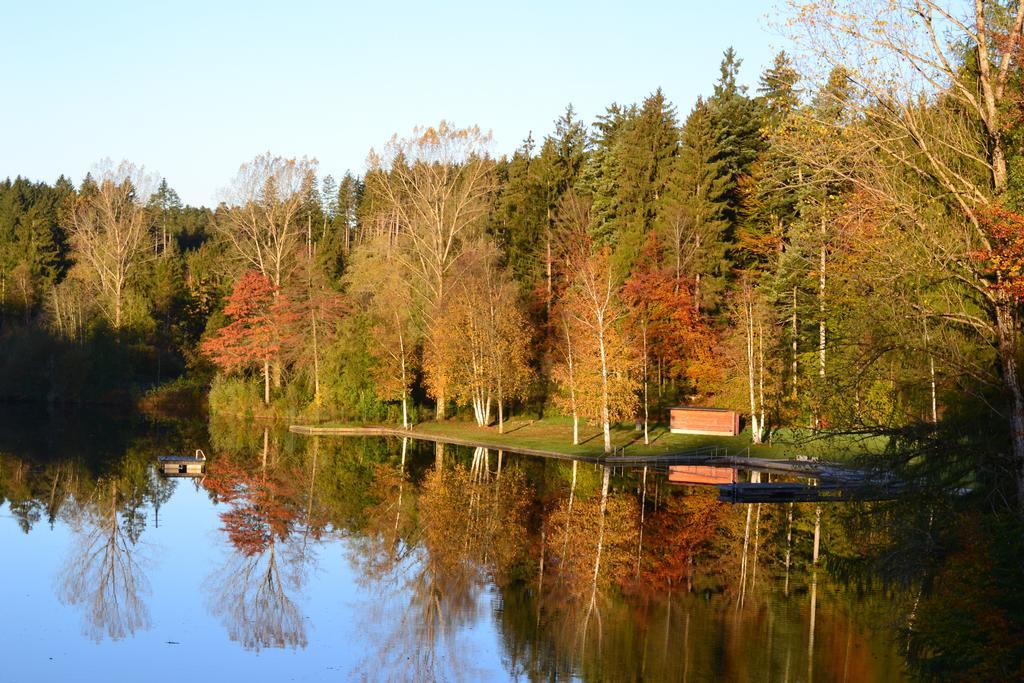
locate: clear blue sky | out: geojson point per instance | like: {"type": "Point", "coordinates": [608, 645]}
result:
{"type": "Point", "coordinates": [192, 89]}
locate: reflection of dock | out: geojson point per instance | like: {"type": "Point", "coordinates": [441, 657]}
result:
{"type": "Point", "coordinates": [789, 492]}
{"type": "Point", "coordinates": [183, 465]}
{"type": "Point", "coordinates": [716, 456]}
{"type": "Point", "coordinates": [831, 481]}
{"type": "Point", "coordinates": [817, 480]}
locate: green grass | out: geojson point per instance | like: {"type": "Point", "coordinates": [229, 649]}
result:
{"type": "Point", "coordinates": [555, 434]}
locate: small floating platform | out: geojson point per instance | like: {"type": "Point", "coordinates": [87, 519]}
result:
{"type": "Point", "coordinates": [183, 465]}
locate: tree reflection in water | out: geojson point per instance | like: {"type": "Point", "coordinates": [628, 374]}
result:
{"type": "Point", "coordinates": [467, 528]}
{"type": "Point", "coordinates": [262, 521]}
{"type": "Point", "coordinates": [103, 574]}
{"type": "Point", "coordinates": [550, 554]}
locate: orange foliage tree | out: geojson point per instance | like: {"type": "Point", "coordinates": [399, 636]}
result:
{"type": "Point", "coordinates": [257, 332]}
{"type": "Point", "coordinates": [604, 362]}
{"type": "Point", "coordinates": [666, 323]}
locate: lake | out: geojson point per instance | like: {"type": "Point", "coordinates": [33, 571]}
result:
{"type": "Point", "coordinates": [312, 558]}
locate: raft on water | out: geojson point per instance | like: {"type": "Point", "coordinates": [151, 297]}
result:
{"type": "Point", "coordinates": [183, 465]}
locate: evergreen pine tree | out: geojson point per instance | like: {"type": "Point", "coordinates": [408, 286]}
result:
{"type": "Point", "coordinates": [691, 214]}
{"type": "Point", "coordinates": [737, 120]}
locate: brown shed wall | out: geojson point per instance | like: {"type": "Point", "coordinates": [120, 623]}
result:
{"type": "Point", "coordinates": [704, 421]}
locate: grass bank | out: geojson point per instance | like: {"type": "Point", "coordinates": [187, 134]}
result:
{"type": "Point", "coordinates": [555, 434]}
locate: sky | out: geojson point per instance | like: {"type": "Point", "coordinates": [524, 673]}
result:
{"type": "Point", "coordinates": [192, 89]}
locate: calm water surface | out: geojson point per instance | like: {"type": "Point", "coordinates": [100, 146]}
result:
{"type": "Point", "coordinates": [301, 558]}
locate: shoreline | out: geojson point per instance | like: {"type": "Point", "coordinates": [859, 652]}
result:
{"type": "Point", "coordinates": [707, 455]}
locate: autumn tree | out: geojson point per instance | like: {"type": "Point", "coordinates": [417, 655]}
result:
{"type": "Point", "coordinates": [263, 216]}
{"type": "Point", "coordinates": [257, 332]}
{"type": "Point", "coordinates": [934, 88]}
{"type": "Point", "coordinates": [665, 324]}
{"type": "Point", "coordinates": [108, 225]}
{"type": "Point", "coordinates": [490, 347]}
{"type": "Point", "coordinates": [604, 358]}
{"type": "Point", "coordinates": [434, 188]}
{"type": "Point", "coordinates": [388, 299]}
{"type": "Point", "coordinates": [313, 311]}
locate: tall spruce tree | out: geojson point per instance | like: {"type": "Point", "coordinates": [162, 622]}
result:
{"type": "Point", "coordinates": [691, 213]}
{"type": "Point", "coordinates": [737, 119]}
{"type": "Point", "coordinates": [646, 150]}
{"type": "Point", "coordinates": [521, 216]}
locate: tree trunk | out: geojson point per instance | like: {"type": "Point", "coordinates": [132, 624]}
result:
{"type": "Point", "coordinates": [817, 534]}
{"type": "Point", "coordinates": [755, 426]}
{"type": "Point", "coordinates": [794, 332]}
{"type": "Point", "coordinates": [696, 279]}
{"type": "Point", "coordinates": [405, 381]}
{"type": "Point", "coordinates": [501, 415]}
{"type": "Point", "coordinates": [605, 413]}
{"type": "Point", "coordinates": [600, 547]}
{"type": "Point", "coordinates": [572, 385]}
{"type": "Point", "coordinates": [548, 265]}
{"type": "Point", "coordinates": [821, 304]}
{"type": "Point", "coordinates": [117, 306]}
{"type": "Point", "coordinates": [266, 382]}
{"type": "Point", "coordinates": [640, 540]}
{"type": "Point", "coordinates": [316, 362]}
{"type": "Point", "coordinates": [1007, 324]}
{"type": "Point", "coordinates": [810, 635]}
{"type": "Point", "coordinates": [789, 545]}
{"type": "Point", "coordinates": [647, 439]}
{"type": "Point", "coordinates": [760, 385]}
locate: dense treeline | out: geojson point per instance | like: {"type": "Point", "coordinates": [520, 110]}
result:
{"type": "Point", "coordinates": [837, 248]}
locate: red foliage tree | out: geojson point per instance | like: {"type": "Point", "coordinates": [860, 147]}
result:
{"type": "Point", "coordinates": [1006, 255]}
{"type": "Point", "coordinates": [260, 327]}
{"type": "Point", "coordinates": [661, 307]}
{"type": "Point", "coordinates": [261, 508]}
{"type": "Point", "coordinates": [674, 536]}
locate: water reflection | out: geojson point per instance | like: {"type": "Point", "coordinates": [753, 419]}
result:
{"type": "Point", "coordinates": [463, 563]}
{"type": "Point", "coordinates": [103, 575]}
{"type": "Point", "coordinates": [269, 534]}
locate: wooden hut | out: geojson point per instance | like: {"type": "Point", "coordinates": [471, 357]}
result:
{"type": "Point", "coordinates": [710, 421]}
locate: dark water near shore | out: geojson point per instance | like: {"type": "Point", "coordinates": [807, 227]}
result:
{"type": "Point", "coordinates": [301, 558]}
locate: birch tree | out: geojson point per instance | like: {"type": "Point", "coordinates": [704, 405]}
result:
{"type": "Point", "coordinates": [108, 226]}
{"type": "Point", "coordinates": [262, 218]}
{"type": "Point", "coordinates": [607, 362]}
{"type": "Point", "coordinates": [490, 348]}
{"type": "Point", "coordinates": [434, 189]}
{"type": "Point", "coordinates": [387, 298]}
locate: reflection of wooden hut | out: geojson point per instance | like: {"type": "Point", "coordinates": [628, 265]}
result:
{"type": "Point", "coordinates": [183, 465]}
{"type": "Point", "coordinates": [711, 421]}
{"type": "Point", "coordinates": [701, 474]}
